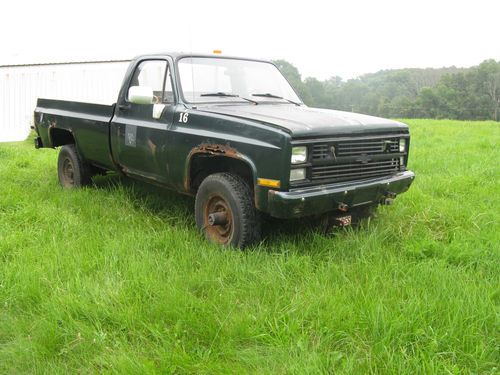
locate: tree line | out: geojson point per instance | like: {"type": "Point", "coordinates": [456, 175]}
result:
{"type": "Point", "coordinates": [455, 93]}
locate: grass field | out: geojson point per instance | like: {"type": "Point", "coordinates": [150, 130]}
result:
{"type": "Point", "coordinates": [115, 278]}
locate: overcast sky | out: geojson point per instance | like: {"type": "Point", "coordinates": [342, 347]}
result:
{"type": "Point", "coordinates": [321, 38]}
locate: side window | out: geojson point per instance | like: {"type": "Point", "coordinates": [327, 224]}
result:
{"type": "Point", "coordinates": [150, 74]}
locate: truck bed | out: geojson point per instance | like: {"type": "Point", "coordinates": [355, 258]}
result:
{"type": "Point", "coordinates": [89, 124]}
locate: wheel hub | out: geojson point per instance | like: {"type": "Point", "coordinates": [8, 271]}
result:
{"type": "Point", "coordinates": [218, 220]}
{"type": "Point", "coordinates": [68, 172]}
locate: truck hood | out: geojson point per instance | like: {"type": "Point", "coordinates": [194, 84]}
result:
{"type": "Point", "coordinates": [303, 121]}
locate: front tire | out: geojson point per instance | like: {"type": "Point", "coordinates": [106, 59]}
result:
{"type": "Point", "coordinates": [225, 211]}
{"type": "Point", "coordinates": [72, 171]}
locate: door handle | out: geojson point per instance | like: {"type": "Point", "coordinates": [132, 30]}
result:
{"type": "Point", "coordinates": [124, 107]}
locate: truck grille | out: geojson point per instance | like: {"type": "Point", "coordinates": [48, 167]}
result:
{"type": "Point", "coordinates": [355, 147]}
{"type": "Point", "coordinates": [353, 159]}
{"type": "Point", "coordinates": [347, 171]}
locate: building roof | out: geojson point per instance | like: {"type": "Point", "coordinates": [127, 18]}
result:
{"type": "Point", "coordinates": [63, 63]}
{"type": "Point", "coordinates": [174, 55]}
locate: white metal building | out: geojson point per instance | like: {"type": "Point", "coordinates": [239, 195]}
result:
{"type": "Point", "coordinates": [21, 85]}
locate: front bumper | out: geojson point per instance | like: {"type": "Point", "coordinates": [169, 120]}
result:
{"type": "Point", "coordinates": [320, 199]}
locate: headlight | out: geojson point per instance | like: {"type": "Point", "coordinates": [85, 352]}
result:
{"type": "Point", "coordinates": [402, 145]}
{"type": "Point", "coordinates": [299, 155]}
{"type": "Point", "coordinates": [297, 174]}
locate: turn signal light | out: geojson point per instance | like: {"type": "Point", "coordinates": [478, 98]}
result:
{"type": "Point", "coordinates": [268, 182]}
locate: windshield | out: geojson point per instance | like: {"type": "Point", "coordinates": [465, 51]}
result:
{"type": "Point", "coordinates": [207, 79]}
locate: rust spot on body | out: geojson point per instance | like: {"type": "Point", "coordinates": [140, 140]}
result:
{"type": "Point", "coordinates": [209, 150]}
{"type": "Point", "coordinates": [215, 149]}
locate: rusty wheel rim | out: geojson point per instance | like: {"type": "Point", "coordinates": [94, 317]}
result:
{"type": "Point", "coordinates": [68, 172]}
{"type": "Point", "coordinates": [220, 234]}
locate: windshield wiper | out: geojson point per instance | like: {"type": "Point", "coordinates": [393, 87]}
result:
{"type": "Point", "coordinates": [227, 95]}
{"type": "Point", "coordinates": [268, 95]}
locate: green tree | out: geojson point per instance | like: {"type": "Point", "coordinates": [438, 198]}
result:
{"type": "Point", "coordinates": [293, 76]}
{"type": "Point", "coordinates": [457, 93]}
{"type": "Point", "coordinates": [489, 85]}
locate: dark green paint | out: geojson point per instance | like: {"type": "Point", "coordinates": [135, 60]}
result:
{"type": "Point", "coordinates": [261, 136]}
{"type": "Point", "coordinates": [311, 200]}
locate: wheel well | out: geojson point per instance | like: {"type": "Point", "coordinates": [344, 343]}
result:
{"type": "Point", "coordinates": [203, 165]}
{"type": "Point", "coordinates": [60, 137]}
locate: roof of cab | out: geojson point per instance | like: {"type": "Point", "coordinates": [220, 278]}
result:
{"type": "Point", "coordinates": [179, 55]}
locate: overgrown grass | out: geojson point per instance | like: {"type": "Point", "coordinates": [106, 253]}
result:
{"type": "Point", "coordinates": [115, 278]}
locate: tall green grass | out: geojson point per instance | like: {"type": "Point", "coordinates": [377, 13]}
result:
{"type": "Point", "coordinates": [115, 278]}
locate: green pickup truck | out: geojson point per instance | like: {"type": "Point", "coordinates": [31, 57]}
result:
{"type": "Point", "coordinates": [233, 133]}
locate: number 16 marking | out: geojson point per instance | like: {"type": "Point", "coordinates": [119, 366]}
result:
{"type": "Point", "coordinates": [183, 117]}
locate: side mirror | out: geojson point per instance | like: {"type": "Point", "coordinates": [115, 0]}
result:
{"type": "Point", "coordinates": [140, 95]}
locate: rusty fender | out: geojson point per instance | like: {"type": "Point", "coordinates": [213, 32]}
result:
{"type": "Point", "coordinates": [209, 149]}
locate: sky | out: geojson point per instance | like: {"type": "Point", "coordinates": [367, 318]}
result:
{"type": "Point", "coordinates": [322, 38]}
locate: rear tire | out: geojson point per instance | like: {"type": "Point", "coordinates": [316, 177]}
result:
{"type": "Point", "coordinates": [72, 171]}
{"type": "Point", "coordinates": [229, 198]}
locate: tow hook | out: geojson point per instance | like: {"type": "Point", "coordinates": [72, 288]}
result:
{"type": "Point", "coordinates": [389, 198]}
{"type": "Point", "coordinates": [343, 207]}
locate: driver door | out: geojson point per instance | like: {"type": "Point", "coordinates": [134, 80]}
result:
{"type": "Point", "coordinates": [141, 122]}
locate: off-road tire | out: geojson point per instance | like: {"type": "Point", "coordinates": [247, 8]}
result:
{"type": "Point", "coordinates": [73, 172]}
{"type": "Point", "coordinates": [230, 194]}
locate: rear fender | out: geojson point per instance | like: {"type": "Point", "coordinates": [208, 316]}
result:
{"type": "Point", "coordinates": [60, 137]}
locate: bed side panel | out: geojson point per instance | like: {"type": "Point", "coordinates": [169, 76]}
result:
{"type": "Point", "coordinates": [88, 123]}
